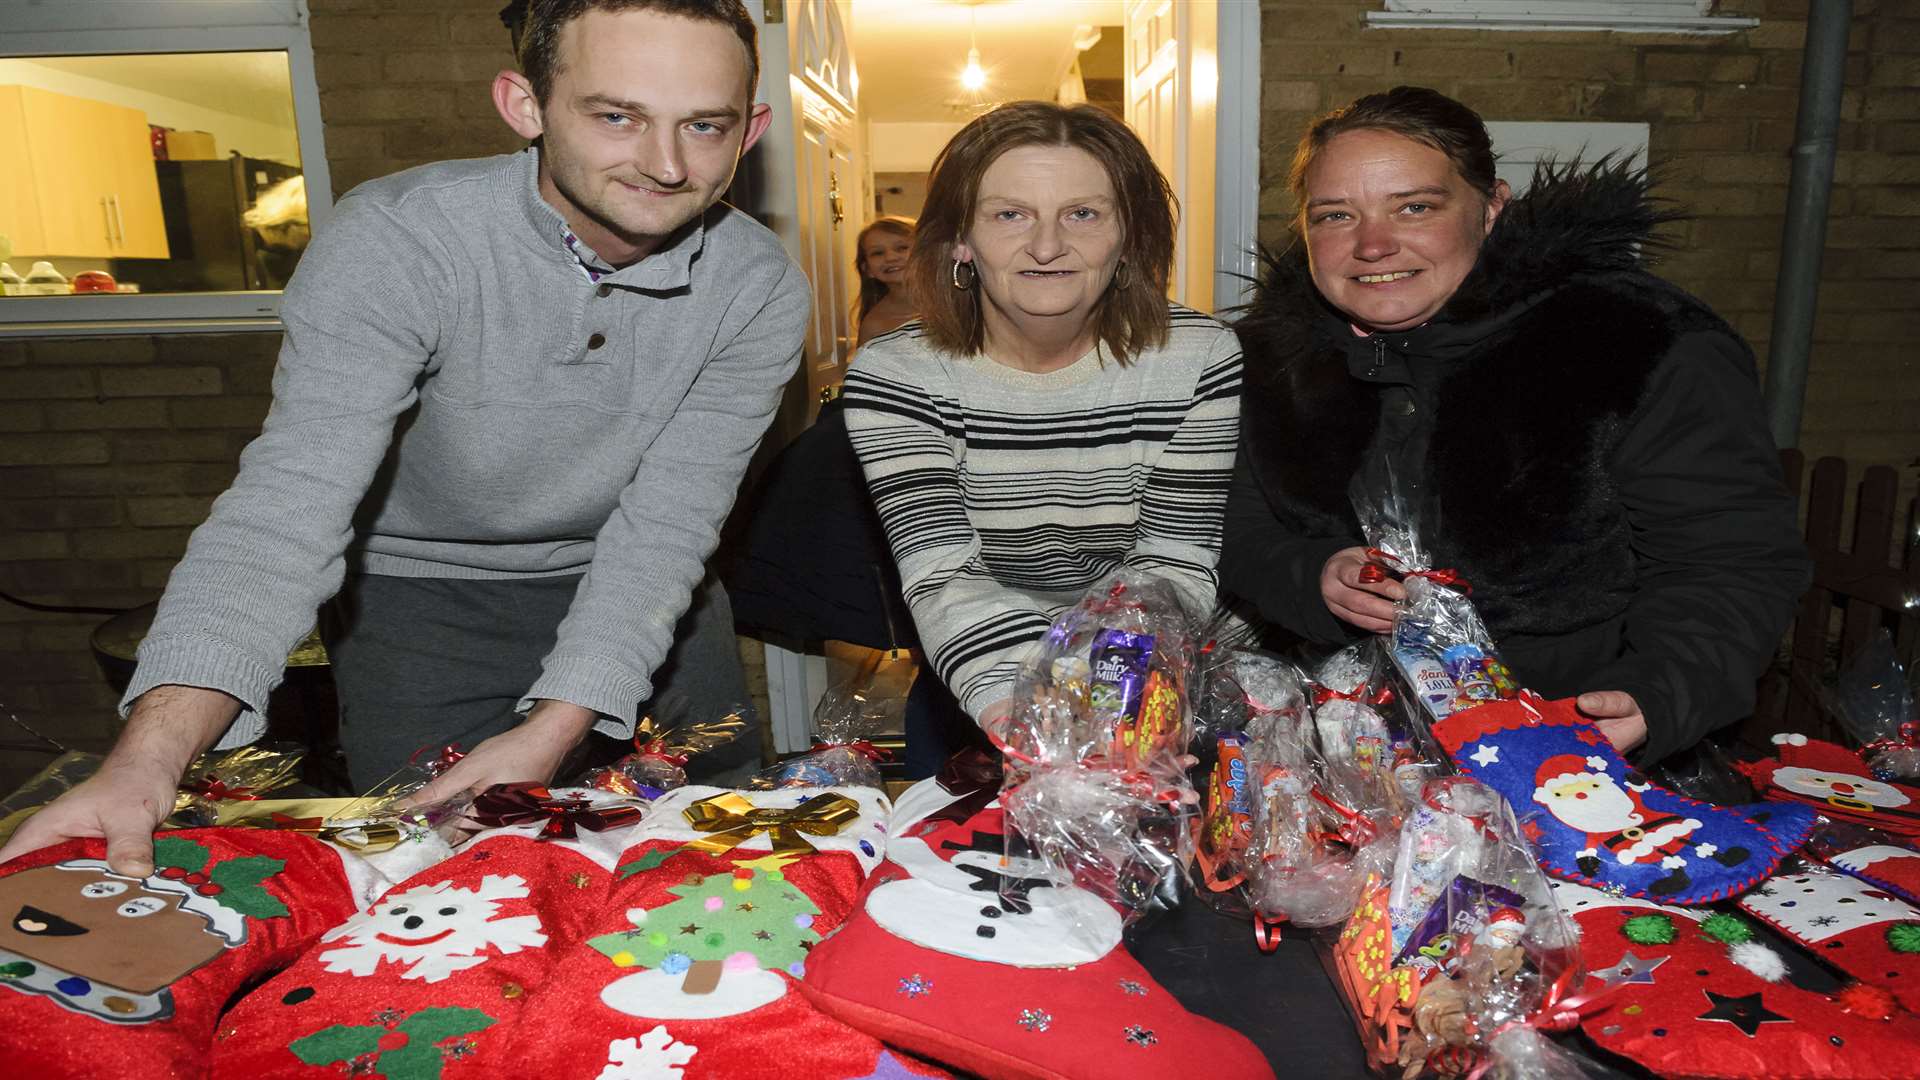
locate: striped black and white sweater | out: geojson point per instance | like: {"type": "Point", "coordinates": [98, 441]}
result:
{"type": "Point", "coordinates": [1005, 494]}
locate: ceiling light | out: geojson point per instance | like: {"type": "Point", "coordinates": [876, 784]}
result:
{"type": "Point", "coordinates": [973, 76]}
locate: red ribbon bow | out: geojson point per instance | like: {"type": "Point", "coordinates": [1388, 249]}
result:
{"type": "Point", "coordinates": [657, 748]}
{"type": "Point", "coordinates": [1324, 694]}
{"type": "Point", "coordinates": [440, 760]}
{"type": "Point", "coordinates": [516, 804]}
{"type": "Point", "coordinates": [1907, 737]}
{"type": "Point", "coordinates": [1380, 563]}
{"type": "Point", "coordinates": [212, 787]}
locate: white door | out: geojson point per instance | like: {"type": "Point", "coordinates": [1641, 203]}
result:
{"type": "Point", "coordinates": [1172, 70]}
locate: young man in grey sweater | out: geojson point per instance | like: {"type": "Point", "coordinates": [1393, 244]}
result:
{"type": "Point", "coordinates": [546, 367]}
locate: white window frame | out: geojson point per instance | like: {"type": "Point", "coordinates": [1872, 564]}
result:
{"type": "Point", "coordinates": [96, 27]}
{"type": "Point", "coordinates": [1617, 16]}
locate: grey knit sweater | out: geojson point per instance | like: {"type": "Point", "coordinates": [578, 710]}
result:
{"type": "Point", "coordinates": [456, 399]}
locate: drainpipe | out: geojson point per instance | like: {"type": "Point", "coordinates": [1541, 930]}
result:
{"type": "Point", "coordinates": [1796, 296]}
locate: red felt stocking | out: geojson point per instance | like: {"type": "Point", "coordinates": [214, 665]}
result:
{"type": "Point", "coordinates": [955, 960]}
{"type": "Point", "coordinates": [690, 969]}
{"type": "Point", "coordinates": [104, 975]}
{"type": "Point", "coordinates": [1689, 1008]}
{"type": "Point", "coordinates": [1836, 780]}
{"type": "Point", "coordinates": [1866, 932]}
{"type": "Point", "coordinates": [1870, 855]}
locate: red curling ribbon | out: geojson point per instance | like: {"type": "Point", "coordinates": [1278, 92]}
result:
{"type": "Point", "coordinates": [1907, 737]}
{"type": "Point", "coordinates": [212, 787]}
{"type": "Point", "coordinates": [1356, 830]}
{"type": "Point", "coordinates": [517, 804]}
{"type": "Point", "coordinates": [1266, 931]}
{"type": "Point", "coordinates": [862, 747]}
{"type": "Point", "coordinates": [441, 760]}
{"type": "Point", "coordinates": [1324, 694]}
{"type": "Point", "coordinates": [297, 824]}
{"type": "Point", "coordinates": [1380, 565]}
{"type": "Point", "coordinates": [657, 748]}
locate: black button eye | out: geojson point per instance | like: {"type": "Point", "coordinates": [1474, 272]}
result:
{"type": "Point", "coordinates": [399, 911]}
{"type": "Point", "coordinates": [449, 911]}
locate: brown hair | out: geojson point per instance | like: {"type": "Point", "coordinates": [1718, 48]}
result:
{"type": "Point", "coordinates": [536, 26]}
{"type": "Point", "coordinates": [1423, 115]}
{"type": "Point", "coordinates": [872, 288]}
{"type": "Point", "coordinates": [1129, 320]}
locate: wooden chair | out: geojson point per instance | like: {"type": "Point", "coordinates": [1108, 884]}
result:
{"type": "Point", "coordinates": [1856, 591]}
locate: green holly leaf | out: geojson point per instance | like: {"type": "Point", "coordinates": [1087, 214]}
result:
{"type": "Point", "coordinates": [651, 860]}
{"type": "Point", "coordinates": [418, 1060]}
{"type": "Point", "coordinates": [183, 853]}
{"type": "Point", "coordinates": [337, 1043]}
{"type": "Point", "coordinates": [239, 880]}
{"type": "Point", "coordinates": [429, 1026]}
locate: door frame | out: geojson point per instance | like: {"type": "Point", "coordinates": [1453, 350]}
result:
{"type": "Point", "coordinates": [1236, 199]}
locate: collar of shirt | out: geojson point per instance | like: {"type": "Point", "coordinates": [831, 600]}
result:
{"type": "Point", "coordinates": [671, 267]}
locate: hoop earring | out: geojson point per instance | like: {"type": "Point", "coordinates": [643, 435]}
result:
{"type": "Point", "coordinates": [972, 276]}
{"type": "Point", "coordinates": [1122, 275]}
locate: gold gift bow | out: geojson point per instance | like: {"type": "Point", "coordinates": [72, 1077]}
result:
{"type": "Point", "coordinates": [311, 817]}
{"type": "Point", "coordinates": [732, 820]}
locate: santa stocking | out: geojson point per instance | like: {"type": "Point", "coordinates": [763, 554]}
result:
{"type": "Point", "coordinates": [959, 957]}
{"type": "Point", "coordinates": [1603, 824]}
{"type": "Point", "coordinates": [1701, 997]}
{"type": "Point", "coordinates": [1863, 931]}
{"type": "Point", "coordinates": [690, 966]}
{"type": "Point", "coordinates": [1835, 780]}
{"type": "Point", "coordinates": [1870, 855]}
{"type": "Point", "coordinates": [104, 975]}
{"type": "Point", "coordinates": [429, 981]}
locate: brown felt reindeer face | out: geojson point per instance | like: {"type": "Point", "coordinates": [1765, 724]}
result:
{"type": "Point", "coordinates": [103, 927]}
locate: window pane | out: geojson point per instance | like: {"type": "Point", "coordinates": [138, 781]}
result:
{"type": "Point", "coordinates": [149, 173]}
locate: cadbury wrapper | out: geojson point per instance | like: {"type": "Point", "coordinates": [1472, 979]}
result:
{"type": "Point", "coordinates": [1118, 685]}
{"type": "Point", "coordinates": [1458, 916]}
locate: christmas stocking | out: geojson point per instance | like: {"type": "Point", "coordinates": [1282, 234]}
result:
{"type": "Point", "coordinates": [1701, 997]}
{"type": "Point", "coordinates": [1863, 931]}
{"type": "Point", "coordinates": [956, 956]}
{"type": "Point", "coordinates": [430, 980]}
{"type": "Point", "coordinates": [1604, 825]}
{"type": "Point", "coordinates": [1837, 782]}
{"type": "Point", "coordinates": [688, 966]}
{"type": "Point", "coordinates": [106, 975]}
{"type": "Point", "coordinates": [1870, 855]}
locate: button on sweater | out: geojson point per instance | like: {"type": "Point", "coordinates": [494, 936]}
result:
{"type": "Point", "coordinates": [455, 399]}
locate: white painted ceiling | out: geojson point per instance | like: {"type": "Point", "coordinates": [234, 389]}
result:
{"type": "Point", "coordinates": [909, 52]}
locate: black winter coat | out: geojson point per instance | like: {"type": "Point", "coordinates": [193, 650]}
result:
{"type": "Point", "coordinates": [1585, 444]}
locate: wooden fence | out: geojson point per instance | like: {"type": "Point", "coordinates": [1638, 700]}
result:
{"type": "Point", "coordinates": [1856, 591]}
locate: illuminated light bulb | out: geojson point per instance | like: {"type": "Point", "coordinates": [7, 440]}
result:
{"type": "Point", "coordinates": [973, 76]}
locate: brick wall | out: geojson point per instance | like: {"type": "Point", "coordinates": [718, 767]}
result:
{"type": "Point", "coordinates": [1721, 114]}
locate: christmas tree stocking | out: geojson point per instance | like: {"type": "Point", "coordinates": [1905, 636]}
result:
{"type": "Point", "coordinates": [690, 968]}
{"type": "Point", "coordinates": [429, 980]}
{"type": "Point", "coordinates": [1837, 782]}
{"type": "Point", "coordinates": [1863, 931]}
{"type": "Point", "coordinates": [104, 975]}
{"type": "Point", "coordinates": [958, 956]}
{"type": "Point", "coordinates": [1700, 996]}
{"type": "Point", "coordinates": [1605, 825]}
{"type": "Point", "coordinates": [1869, 855]}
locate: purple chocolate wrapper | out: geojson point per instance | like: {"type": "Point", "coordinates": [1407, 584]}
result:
{"type": "Point", "coordinates": [1120, 660]}
{"type": "Point", "coordinates": [1462, 911]}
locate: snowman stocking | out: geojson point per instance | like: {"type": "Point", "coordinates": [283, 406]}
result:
{"type": "Point", "coordinates": [1863, 931]}
{"type": "Point", "coordinates": [1700, 996]}
{"type": "Point", "coordinates": [689, 967]}
{"type": "Point", "coordinates": [1598, 822]}
{"type": "Point", "coordinates": [958, 957]}
{"type": "Point", "coordinates": [429, 981]}
{"type": "Point", "coordinates": [104, 975]}
{"type": "Point", "coordinates": [1837, 782]}
{"type": "Point", "coordinates": [1872, 856]}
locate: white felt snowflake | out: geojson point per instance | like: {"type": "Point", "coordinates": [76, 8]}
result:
{"type": "Point", "coordinates": [653, 1056]}
{"type": "Point", "coordinates": [1487, 754]}
{"type": "Point", "coordinates": [434, 929]}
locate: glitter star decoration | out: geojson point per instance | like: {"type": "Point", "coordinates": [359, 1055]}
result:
{"type": "Point", "coordinates": [763, 935]}
{"type": "Point", "coordinates": [1035, 1019]}
{"type": "Point", "coordinates": [457, 1051]}
{"type": "Point", "coordinates": [1140, 1036]}
{"type": "Point", "coordinates": [579, 880]}
{"type": "Point", "coordinates": [1128, 986]}
{"type": "Point", "coordinates": [914, 986]}
{"type": "Point", "coordinates": [690, 929]}
{"type": "Point", "coordinates": [744, 905]}
{"type": "Point", "coordinates": [482, 856]}
{"type": "Point", "coordinates": [511, 990]}
{"type": "Point", "coordinates": [389, 1017]}
{"type": "Point", "coordinates": [1825, 920]}
{"type": "Point", "coordinates": [1745, 1012]}
{"type": "Point", "coordinates": [1630, 971]}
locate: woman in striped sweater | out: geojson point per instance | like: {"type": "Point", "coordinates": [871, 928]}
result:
{"type": "Point", "coordinates": [1051, 417]}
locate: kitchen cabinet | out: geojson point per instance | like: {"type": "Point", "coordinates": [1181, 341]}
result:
{"type": "Point", "coordinates": [80, 178]}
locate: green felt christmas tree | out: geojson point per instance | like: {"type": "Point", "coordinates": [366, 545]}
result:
{"type": "Point", "coordinates": [720, 921]}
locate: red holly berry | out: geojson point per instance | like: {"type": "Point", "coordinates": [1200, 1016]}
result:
{"type": "Point", "coordinates": [209, 889]}
{"type": "Point", "coordinates": [743, 875]}
{"type": "Point", "coordinates": [173, 873]}
{"type": "Point", "coordinates": [196, 879]}
{"type": "Point", "coordinates": [393, 1040]}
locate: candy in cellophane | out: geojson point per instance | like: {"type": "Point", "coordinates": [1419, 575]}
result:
{"type": "Point", "coordinates": [1875, 700]}
{"type": "Point", "coordinates": [661, 752]}
{"type": "Point", "coordinates": [1442, 651]}
{"type": "Point", "coordinates": [1233, 688]}
{"type": "Point", "coordinates": [1372, 742]}
{"type": "Point", "coordinates": [842, 756]}
{"type": "Point", "coordinates": [1095, 740]}
{"type": "Point", "coordinates": [1446, 961]}
{"type": "Point", "coordinates": [244, 773]}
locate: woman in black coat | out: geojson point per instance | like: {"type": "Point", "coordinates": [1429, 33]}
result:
{"type": "Point", "coordinates": [1584, 442]}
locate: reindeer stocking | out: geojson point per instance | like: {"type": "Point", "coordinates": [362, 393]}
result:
{"type": "Point", "coordinates": [959, 957]}
{"type": "Point", "coordinates": [105, 975]}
